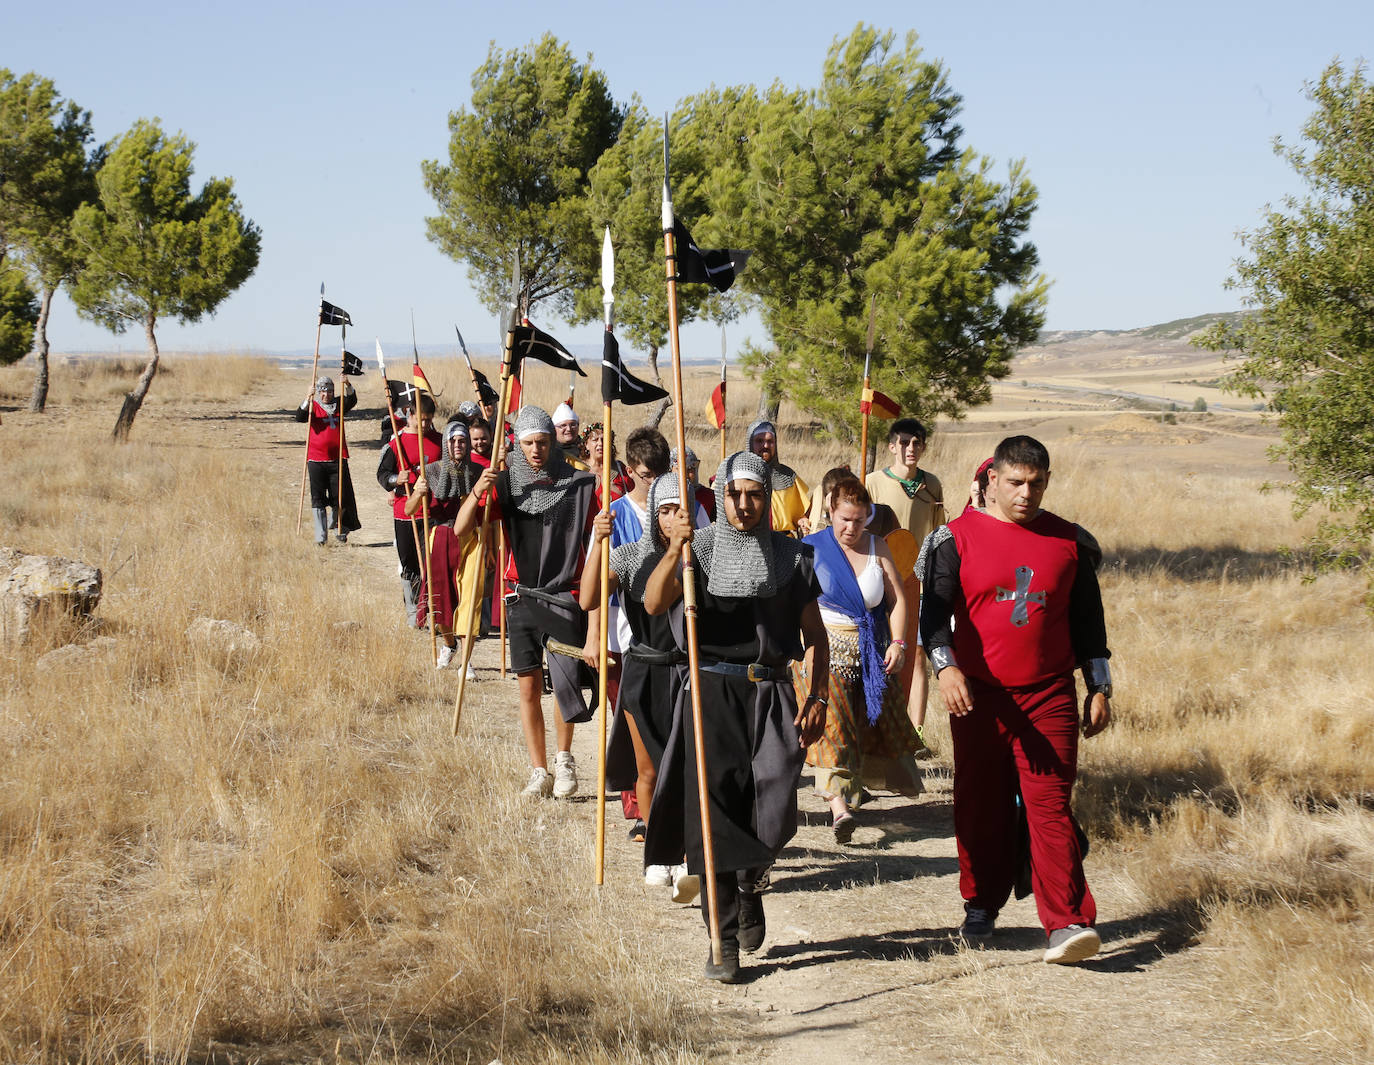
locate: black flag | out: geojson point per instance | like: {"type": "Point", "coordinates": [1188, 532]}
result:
{"type": "Point", "coordinates": [401, 393]}
{"type": "Point", "coordinates": [331, 315]}
{"type": "Point", "coordinates": [353, 366]}
{"type": "Point", "coordinates": [710, 266]}
{"type": "Point", "coordinates": [536, 344]}
{"type": "Point", "coordinates": [489, 395]}
{"type": "Point", "coordinates": [618, 383]}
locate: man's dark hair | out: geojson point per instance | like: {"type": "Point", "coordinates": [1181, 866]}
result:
{"type": "Point", "coordinates": [426, 403]}
{"type": "Point", "coordinates": [1021, 451]}
{"type": "Point", "coordinates": [910, 426]}
{"type": "Point", "coordinates": [479, 421]}
{"type": "Point", "coordinates": [646, 446]}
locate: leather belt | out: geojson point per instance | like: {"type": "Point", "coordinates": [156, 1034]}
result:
{"type": "Point", "coordinates": [754, 671]}
{"type": "Point", "coordinates": [649, 656]}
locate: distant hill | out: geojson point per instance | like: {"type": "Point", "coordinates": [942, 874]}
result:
{"type": "Point", "coordinates": [1178, 329]}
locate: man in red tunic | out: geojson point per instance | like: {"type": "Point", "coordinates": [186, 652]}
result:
{"type": "Point", "coordinates": [325, 415]}
{"type": "Point", "coordinates": [416, 443]}
{"type": "Point", "coordinates": [1020, 586]}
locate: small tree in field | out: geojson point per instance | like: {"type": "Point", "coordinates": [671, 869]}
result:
{"type": "Point", "coordinates": [1309, 346]}
{"type": "Point", "coordinates": [152, 249]}
{"type": "Point", "coordinates": [46, 173]}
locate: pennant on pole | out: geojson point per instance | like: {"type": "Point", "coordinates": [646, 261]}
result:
{"type": "Point", "coordinates": [715, 407]}
{"type": "Point", "coordinates": [716, 267]}
{"type": "Point", "coordinates": [879, 405]}
{"type": "Point", "coordinates": [353, 366]}
{"type": "Point", "coordinates": [534, 343]}
{"type": "Point", "coordinates": [421, 382]}
{"type": "Point", "coordinates": [488, 394]}
{"type": "Point", "coordinates": [617, 383]}
{"type": "Point", "coordinates": [331, 315]}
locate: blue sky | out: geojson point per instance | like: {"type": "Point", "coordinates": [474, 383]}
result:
{"type": "Point", "coordinates": [1147, 129]}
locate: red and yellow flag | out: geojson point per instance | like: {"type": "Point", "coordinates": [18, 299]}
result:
{"type": "Point", "coordinates": [879, 405]}
{"type": "Point", "coordinates": [715, 407]}
{"type": "Point", "coordinates": [421, 382]}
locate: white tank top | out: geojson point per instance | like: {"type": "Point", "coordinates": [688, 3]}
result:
{"type": "Point", "coordinates": [870, 587]}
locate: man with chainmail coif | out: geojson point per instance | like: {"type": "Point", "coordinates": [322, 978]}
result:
{"type": "Point", "coordinates": [326, 436]}
{"type": "Point", "coordinates": [789, 495]}
{"type": "Point", "coordinates": [756, 594]}
{"type": "Point", "coordinates": [546, 507]}
{"type": "Point", "coordinates": [453, 561]}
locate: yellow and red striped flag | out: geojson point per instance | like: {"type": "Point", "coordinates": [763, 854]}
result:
{"type": "Point", "coordinates": [879, 405]}
{"type": "Point", "coordinates": [715, 407]}
{"type": "Point", "coordinates": [421, 382]}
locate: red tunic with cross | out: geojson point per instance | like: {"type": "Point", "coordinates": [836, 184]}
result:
{"type": "Point", "coordinates": [1012, 626]}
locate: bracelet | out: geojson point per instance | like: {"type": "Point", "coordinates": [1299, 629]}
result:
{"type": "Point", "coordinates": [819, 699]}
{"type": "Point", "coordinates": [898, 643]}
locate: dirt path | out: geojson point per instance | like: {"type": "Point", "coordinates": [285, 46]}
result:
{"type": "Point", "coordinates": [859, 962]}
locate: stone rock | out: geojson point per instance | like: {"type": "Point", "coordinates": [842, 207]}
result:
{"type": "Point", "coordinates": [76, 655]}
{"type": "Point", "coordinates": [222, 637]}
{"type": "Point", "coordinates": [36, 585]}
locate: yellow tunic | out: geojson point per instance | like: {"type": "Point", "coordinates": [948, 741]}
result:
{"type": "Point", "coordinates": [789, 507]}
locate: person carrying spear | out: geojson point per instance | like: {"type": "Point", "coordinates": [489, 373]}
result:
{"type": "Point", "coordinates": [415, 443]}
{"type": "Point", "coordinates": [326, 462]}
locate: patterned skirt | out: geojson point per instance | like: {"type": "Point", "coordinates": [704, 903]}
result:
{"type": "Point", "coordinates": [852, 754]}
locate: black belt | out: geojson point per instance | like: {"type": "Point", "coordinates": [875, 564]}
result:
{"type": "Point", "coordinates": [650, 657]}
{"type": "Point", "coordinates": [564, 599]}
{"type": "Point", "coordinates": [753, 670]}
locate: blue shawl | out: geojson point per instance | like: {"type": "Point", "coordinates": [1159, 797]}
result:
{"type": "Point", "coordinates": [840, 593]}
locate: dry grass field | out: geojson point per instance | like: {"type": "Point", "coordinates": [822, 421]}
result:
{"type": "Point", "coordinates": [282, 856]}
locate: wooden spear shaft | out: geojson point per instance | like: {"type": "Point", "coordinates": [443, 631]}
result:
{"type": "Point", "coordinates": [498, 458]}
{"type": "Point", "coordinates": [603, 618]}
{"type": "Point", "coordinates": [689, 590]}
{"type": "Point", "coordinates": [868, 363]}
{"type": "Point", "coordinates": [343, 379]}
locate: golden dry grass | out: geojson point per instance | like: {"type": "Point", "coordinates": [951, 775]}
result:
{"type": "Point", "coordinates": [180, 378]}
{"type": "Point", "coordinates": [276, 853]}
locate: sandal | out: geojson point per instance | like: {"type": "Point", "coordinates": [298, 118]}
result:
{"type": "Point", "coordinates": [637, 831]}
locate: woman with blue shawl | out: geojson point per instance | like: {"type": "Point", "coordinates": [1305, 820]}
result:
{"type": "Point", "coordinates": [868, 737]}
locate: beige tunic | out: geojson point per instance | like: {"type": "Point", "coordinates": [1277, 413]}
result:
{"type": "Point", "coordinates": [920, 514]}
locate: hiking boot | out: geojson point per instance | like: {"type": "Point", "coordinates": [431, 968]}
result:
{"type": "Point", "coordinates": [658, 875]}
{"type": "Point", "coordinates": [445, 656]}
{"type": "Point", "coordinates": [1072, 944]}
{"type": "Point", "coordinates": [540, 785]}
{"type": "Point", "coordinates": [978, 923]}
{"type": "Point", "coordinates": [564, 775]}
{"type": "Point", "coordinates": [686, 886]}
{"type": "Point", "coordinates": [727, 972]}
{"type": "Point", "coordinates": [752, 926]}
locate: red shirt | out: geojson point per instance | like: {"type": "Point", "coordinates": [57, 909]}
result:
{"type": "Point", "coordinates": [1012, 626]}
{"type": "Point", "coordinates": [323, 445]}
{"type": "Point", "coordinates": [410, 462]}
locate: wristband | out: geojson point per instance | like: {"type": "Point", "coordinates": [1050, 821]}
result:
{"type": "Point", "coordinates": [942, 657]}
{"type": "Point", "coordinates": [819, 699]}
{"type": "Point", "coordinates": [898, 643]}
{"type": "Point", "coordinates": [1097, 675]}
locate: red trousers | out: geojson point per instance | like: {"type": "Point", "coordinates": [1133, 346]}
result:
{"type": "Point", "coordinates": [1025, 737]}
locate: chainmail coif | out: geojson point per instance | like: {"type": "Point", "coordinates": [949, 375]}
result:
{"type": "Point", "coordinates": [744, 564]}
{"type": "Point", "coordinates": [542, 493]}
{"type": "Point", "coordinates": [780, 477]}
{"type": "Point", "coordinates": [634, 562]}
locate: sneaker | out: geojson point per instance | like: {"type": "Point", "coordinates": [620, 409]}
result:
{"type": "Point", "coordinates": [564, 775]}
{"type": "Point", "coordinates": [445, 656]}
{"type": "Point", "coordinates": [727, 972]}
{"type": "Point", "coordinates": [978, 923]}
{"type": "Point", "coordinates": [658, 875]}
{"type": "Point", "coordinates": [343, 538]}
{"type": "Point", "coordinates": [752, 926]}
{"type": "Point", "coordinates": [470, 673]}
{"type": "Point", "coordinates": [1072, 944]}
{"type": "Point", "coordinates": [540, 785]}
{"type": "Point", "coordinates": [686, 886]}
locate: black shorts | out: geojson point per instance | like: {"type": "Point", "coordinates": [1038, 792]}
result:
{"type": "Point", "coordinates": [528, 622]}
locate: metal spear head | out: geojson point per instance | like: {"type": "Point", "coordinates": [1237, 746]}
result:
{"type": "Point", "coordinates": [667, 193]}
{"type": "Point", "coordinates": [722, 353]}
{"type": "Point", "coordinates": [872, 323]}
{"type": "Point", "coordinates": [461, 345]}
{"type": "Point", "coordinates": [381, 362]}
{"type": "Point", "coordinates": [607, 270]}
{"type": "Point", "coordinates": [514, 317]}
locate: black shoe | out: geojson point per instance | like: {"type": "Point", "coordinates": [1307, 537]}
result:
{"type": "Point", "coordinates": [752, 926]}
{"type": "Point", "coordinates": [978, 923]}
{"type": "Point", "coordinates": [637, 831]}
{"type": "Point", "coordinates": [727, 972]}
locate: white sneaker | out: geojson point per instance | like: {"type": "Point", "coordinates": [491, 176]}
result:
{"type": "Point", "coordinates": [564, 775]}
{"type": "Point", "coordinates": [471, 673]}
{"type": "Point", "coordinates": [658, 875]}
{"type": "Point", "coordinates": [686, 887]}
{"type": "Point", "coordinates": [445, 656]}
{"type": "Point", "coordinates": [540, 785]}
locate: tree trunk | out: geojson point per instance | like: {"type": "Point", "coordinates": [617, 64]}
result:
{"type": "Point", "coordinates": [39, 399]}
{"type": "Point", "coordinates": [768, 406]}
{"type": "Point", "coordinates": [661, 407]}
{"type": "Point", "coordinates": [134, 400]}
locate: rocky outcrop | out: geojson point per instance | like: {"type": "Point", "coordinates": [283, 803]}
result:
{"type": "Point", "coordinates": [34, 586]}
{"type": "Point", "coordinates": [221, 637]}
